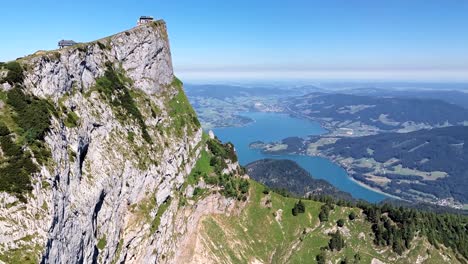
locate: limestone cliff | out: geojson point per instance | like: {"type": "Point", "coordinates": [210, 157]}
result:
{"type": "Point", "coordinates": [122, 139]}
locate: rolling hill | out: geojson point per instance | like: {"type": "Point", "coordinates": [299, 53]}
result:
{"type": "Point", "coordinates": [425, 163]}
{"type": "Point", "coordinates": [376, 114]}
{"type": "Point", "coordinates": [288, 175]}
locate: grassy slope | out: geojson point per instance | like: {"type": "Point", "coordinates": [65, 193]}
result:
{"type": "Point", "coordinates": [256, 235]}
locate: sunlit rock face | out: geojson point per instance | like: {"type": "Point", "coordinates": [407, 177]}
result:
{"type": "Point", "coordinates": [100, 195]}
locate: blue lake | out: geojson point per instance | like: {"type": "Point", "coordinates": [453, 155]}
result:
{"type": "Point", "coordinates": [270, 127]}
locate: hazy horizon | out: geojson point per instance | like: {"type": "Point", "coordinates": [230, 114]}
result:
{"type": "Point", "coordinates": [331, 85]}
{"type": "Point", "coordinates": [200, 76]}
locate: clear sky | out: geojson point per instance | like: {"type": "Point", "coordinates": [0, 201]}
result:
{"type": "Point", "coordinates": [344, 39]}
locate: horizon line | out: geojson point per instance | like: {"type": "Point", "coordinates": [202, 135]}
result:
{"type": "Point", "coordinates": [459, 76]}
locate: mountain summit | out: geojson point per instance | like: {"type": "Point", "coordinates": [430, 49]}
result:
{"type": "Point", "coordinates": [109, 138]}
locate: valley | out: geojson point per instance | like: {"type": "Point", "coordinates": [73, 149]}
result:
{"type": "Point", "coordinates": [409, 166]}
{"type": "Point", "coordinates": [273, 127]}
{"type": "Point", "coordinates": [352, 118]}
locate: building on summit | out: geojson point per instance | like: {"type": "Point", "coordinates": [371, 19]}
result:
{"type": "Point", "coordinates": [66, 43]}
{"type": "Point", "coordinates": [144, 20]}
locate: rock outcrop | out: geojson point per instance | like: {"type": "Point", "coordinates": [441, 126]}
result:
{"type": "Point", "coordinates": [110, 191]}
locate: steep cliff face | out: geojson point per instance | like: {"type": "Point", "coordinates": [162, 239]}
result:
{"type": "Point", "coordinates": [121, 140]}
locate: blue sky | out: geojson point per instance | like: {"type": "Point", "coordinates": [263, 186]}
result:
{"type": "Point", "coordinates": [335, 39]}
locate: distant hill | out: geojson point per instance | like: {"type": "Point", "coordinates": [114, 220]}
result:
{"type": "Point", "coordinates": [385, 114]}
{"type": "Point", "coordinates": [220, 91]}
{"type": "Point", "coordinates": [226, 91]}
{"type": "Point", "coordinates": [288, 175]}
{"type": "Point", "coordinates": [399, 159]}
{"type": "Point", "coordinates": [451, 96]}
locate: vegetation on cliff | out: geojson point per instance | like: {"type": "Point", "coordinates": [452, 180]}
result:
{"type": "Point", "coordinates": [181, 111]}
{"type": "Point", "coordinates": [14, 74]}
{"type": "Point", "coordinates": [113, 86]}
{"type": "Point", "coordinates": [24, 120]}
{"type": "Point", "coordinates": [212, 167]}
{"type": "Point", "coordinates": [16, 165]}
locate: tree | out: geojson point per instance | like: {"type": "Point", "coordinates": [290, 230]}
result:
{"type": "Point", "coordinates": [336, 241]}
{"type": "Point", "coordinates": [321, 259]}
{"type": "Point", "coordinates": [352, 216]}
{"type": "Point", "coordinates": [378, 230]}
{"type": "Point", "coordinates": [244, 186]}
{"type": "Point", "coordinates": [299, 208]}
{"type": "Point", "coordinates": [294, 211]}
{"type": "Point", "coordinates": [398, 246]}
{"type": "Point", "coordinates": [373, 214]}
{"type": "Point", "coordinates": [324, 212]}
{"type": "Point", "coordinates": [323, 216]}
{"type": "Point", "coordinates": [340, 222]}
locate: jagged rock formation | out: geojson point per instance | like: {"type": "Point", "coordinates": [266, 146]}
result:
{"type": "Point", "coordinates": [109, 192]}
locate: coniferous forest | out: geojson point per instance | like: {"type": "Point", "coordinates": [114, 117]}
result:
{"type": "Point", "coordinates": [396, 227]}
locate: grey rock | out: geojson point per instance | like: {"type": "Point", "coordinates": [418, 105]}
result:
{"type": "Point", "coordinates": [99, 180]}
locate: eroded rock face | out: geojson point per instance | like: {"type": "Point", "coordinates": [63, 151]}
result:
{"type": "Point", "coordinates": [100, 196]}
{"type": "Point", "coordinates": [142, 52]}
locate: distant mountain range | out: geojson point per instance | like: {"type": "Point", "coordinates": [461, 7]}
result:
{"type": "Point", "coordinates": [377, 113]}
{"type": "Point", "coordinates": [226, 91]}
{"type": "Point", "coordinates": [451, 96]}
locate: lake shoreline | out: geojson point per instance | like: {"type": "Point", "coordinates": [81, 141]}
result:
{"type": "Point", "coordinates": [270, 127]}
{"type": "Point", "coordinates": [328, 129]}
{"type": "Point", "coordinates": [377, 190]}
{"type": "Point", "coordinates": [362, 184]}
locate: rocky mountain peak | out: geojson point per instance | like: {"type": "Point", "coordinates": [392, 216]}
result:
{"type": "Point", "coordinates": [110, 138]}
